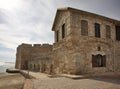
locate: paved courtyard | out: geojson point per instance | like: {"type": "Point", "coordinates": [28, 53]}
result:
{"type": "Point", "coordinates": [90, 83]}
{"type": "Point", "coordinates": [66, 81]}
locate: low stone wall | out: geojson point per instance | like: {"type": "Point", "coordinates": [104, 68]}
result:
{"type": "Point", "coordinates": [26, 75]}
{"type": "Point", "coordinates": [11, 70]}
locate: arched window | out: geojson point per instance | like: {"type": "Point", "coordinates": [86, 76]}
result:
{"type": "Point", "coordinates": [98, 61]}
{"type": "Point", "coordinates": [84, 28]}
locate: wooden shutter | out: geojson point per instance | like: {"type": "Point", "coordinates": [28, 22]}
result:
{"type": "Point", "coordinates": [93, 61]}
{"type": "Point", "coordinates": [104, 61]}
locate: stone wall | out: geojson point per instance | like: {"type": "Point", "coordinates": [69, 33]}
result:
{"type": "Point", "coordinates": [26, 54]}
{"type": "Point", "coordinates": [41, 63]}
{"type": "Point", "coordinates": [117, 56]}
{"type": "Point", "coordinates": [86, 46]}
{"type": "Point", "coordinates": [63, 50]}
{"type": "Point", "coordinates": [23, 55]}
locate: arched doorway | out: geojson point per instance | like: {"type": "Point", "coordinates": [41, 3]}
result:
{"type": "Point", "coordinates": [51, 68]}
{"type": "Point", "coordinates": [34, 67]}
{"type": "Point", "coordinates": [38, 67]}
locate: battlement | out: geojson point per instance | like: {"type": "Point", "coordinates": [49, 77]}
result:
{"type": "Point", "coordinates": [25, 45]}
{"type": "Point", "coordinates": [34, 45]}
{"type": "Point", "coordinates": [34, 48]}
{"type": "Point", "coordinates": [42, 45]}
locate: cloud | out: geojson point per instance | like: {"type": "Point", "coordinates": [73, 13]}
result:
{"type": "Point", "coordinates": [2, 17]}
{"type": "Point", "coordinates": [28, 25]}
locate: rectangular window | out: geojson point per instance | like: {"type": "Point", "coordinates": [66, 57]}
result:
{"type": "Point", "coordinates": [108, 32]}
{"type": "Point", "coordinates": [97, 30]}
{"type": "Point", "coordinates": [118, 33]}
{"type": "Point", "coordinates": [84, 28]}
{"type": "Point", "coordinates": [57, 35]}
{"type": "Point", "coordinates": [63, 31]}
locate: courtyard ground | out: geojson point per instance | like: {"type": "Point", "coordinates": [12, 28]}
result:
{"type": "Point", "coordinates": [16, 81]}
{"type": "Point", "coordinates": [103, 81]}
{"type": "Point", "coordinates": [11, 81]}
{"type": "Point", "coordinates": [90, 83]}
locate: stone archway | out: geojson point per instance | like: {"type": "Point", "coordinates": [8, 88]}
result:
{"type": "Point", "coordinates": [51, 68]}
{"type": "Point", "coordinates": [34, 67]}
{"type": "Point", "coordinates": [38, 67]}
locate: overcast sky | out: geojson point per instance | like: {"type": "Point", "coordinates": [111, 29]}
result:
{"type": "Point", "coordinates": [30, 21]}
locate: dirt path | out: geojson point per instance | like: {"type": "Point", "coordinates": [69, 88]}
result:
{"type": "Point", "coordinates": [11, 81]}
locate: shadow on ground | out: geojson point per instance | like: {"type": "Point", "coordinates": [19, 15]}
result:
{"type": "Point", "coordinates": [115, 79]}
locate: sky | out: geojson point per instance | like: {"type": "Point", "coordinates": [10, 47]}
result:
{"type": "Point", "coordinates": [30, 21]}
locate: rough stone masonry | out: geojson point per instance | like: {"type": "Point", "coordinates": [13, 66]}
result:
{"type": "Point", "coordinates": [85, 43]}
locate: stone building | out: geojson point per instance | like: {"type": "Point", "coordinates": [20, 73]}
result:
{"type": "Point", "coordinates": [84, 43]}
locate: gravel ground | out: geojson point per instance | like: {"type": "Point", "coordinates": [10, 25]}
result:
{"type": "Point", "coordinates": [11, 81]}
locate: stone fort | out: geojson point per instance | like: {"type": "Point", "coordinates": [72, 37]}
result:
{"type": "Point", "coordinates": [85, 43]}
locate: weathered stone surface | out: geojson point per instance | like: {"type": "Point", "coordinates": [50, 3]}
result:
{"type": "Point", "coordinates": [33, 57]}
{"type": "Point", "coordinates": [73, 54]}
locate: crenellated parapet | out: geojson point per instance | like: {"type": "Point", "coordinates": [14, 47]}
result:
{"type": "Point", "coordinates": [24, 45]}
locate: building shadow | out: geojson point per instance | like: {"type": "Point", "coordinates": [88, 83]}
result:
{"type": "Point", "coordinates": [111, 79]}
